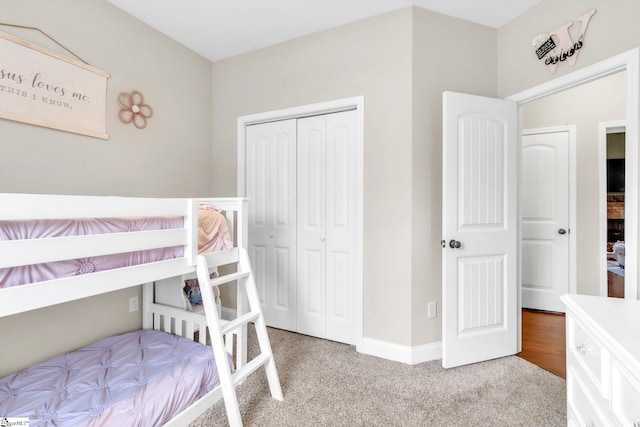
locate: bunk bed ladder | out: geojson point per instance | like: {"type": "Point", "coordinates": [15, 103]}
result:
{"type": "Point", "coordinates": [218, 328]}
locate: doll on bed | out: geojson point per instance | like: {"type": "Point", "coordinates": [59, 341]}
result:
{"type": "Point", "coordinates": [213, 235]}
{"type": "Point", "coordinates": [192, 291]}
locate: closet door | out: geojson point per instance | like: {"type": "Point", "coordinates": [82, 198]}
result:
{"type": "Point", "coordinates": [311, 243]}
{"type": "Point", "coordinates": [326, 226]}
{"type": "Point", "coordinates": [340, 300]}
{"type": "Point", "coordinates": [271, 189]}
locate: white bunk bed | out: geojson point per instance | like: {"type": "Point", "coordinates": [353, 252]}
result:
{"type": "Point", "coordinates": [164, 307]}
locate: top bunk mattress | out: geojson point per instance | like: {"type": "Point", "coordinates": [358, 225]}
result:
{"type": "Point", "coordinates": [141, 378]}
{"type": "Point", "coordinates": [213, 235]}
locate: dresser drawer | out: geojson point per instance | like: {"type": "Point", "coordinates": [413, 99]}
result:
{"type": "Point", "coordinates": [589, 355]}
{"type": "Point", "coordinates": [625, 395]}
{"type": "Point", "coordinates": [586, 406]}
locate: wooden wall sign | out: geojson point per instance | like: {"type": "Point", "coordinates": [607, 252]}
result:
{"type": "Point", "coordinates": [558, 46]}
{"type": "Point", "coordinates": [44, 88]}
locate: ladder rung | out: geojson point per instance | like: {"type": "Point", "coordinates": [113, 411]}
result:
{"type": "Point", "coordinates": [242, 373]}
{"type": "Point", "coordinates": [242, 320]}
{"type": "Point", "coordinates": [228, 278]}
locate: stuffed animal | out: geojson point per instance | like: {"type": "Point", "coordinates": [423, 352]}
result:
{"type": "Point", "coordinates": [192, 291]}
{"type": "Point", "coordinates": [193, 294]}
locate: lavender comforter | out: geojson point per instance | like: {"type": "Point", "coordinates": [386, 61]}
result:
{"type": "Point", "coordinates": [141, 378]}
{"type": "Point", "coordinates": [213, 235]}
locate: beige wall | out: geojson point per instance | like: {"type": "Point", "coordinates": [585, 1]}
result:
{"type": "Point", "coordinates": [584, 106]}
{"type": "Point", "coordinates": [444, 51]}
{"type": "Point", "coordinates": [615, 146]}
{"type": "Point", "coordinates": [168, 158]}
{"type": "Point", "coordinates": [370, 58]}
{"type": "Point", "coordinates": [401, 62]}
{"type": "Point", "coordinates": [612, 30]}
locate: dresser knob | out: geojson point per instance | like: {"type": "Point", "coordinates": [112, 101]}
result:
{"type": "Point", "coordinates": [591, 424]}
{"type": "Point", "coordinates": [583, 348]}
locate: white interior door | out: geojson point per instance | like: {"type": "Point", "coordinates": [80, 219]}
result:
{"type": "Point", "coordinates": [480, 222]}
{"type": "Point", "coordinates": [545, 219]}
{"type": "Point", "coordinates": [271, 188]}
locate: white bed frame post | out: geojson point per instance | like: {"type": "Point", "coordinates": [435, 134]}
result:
{"type": "Point", "coordinates": [191, 224]}
{"type": "Point", "coordinates": [147, 301]}
{"type": "Point", "coordinates": [241, 302]}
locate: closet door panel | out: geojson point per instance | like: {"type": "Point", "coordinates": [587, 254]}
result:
{"type": "Point", "coordinates": [271, 154]}
{"type": "Point", "coordinates": [282, 226]}
{"type": "Point", "coordinates": [282, 288]}
{"type": "Point", "coordinates": [311, 180]}
{"type": "Point", "coordinates": [311, 307]}
{"type": "Point", "coordinates": [283, 175]}
{"type": "Point", "coordinates": [257, 176]}
{"type": "Point", "coordinates": [258, 256]}
{"type": "Point", "coordinates": [340, 226]}
{"type": "Point", "coordinates": [301, 181]}
{"type": "Point", "coordinates": [337, 312]}
{"type": "Point", "coordinates": [257, 151]}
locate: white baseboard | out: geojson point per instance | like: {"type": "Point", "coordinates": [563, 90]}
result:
{"type": "Point", "coordinates": [401, 353]}
{"type": "Point", "coordinates": [386, 350]}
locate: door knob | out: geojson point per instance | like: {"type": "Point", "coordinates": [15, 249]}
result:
{"type": "Point", "coordinates": [454, 244]}
{"type": "Point", "coordinates": [562, 231]}
{"type": "Point", "coordinates": [271, 235]}
{"type": "Point", "coordinates": [322, 239]}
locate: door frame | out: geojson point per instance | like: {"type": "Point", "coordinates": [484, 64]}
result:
{"type": "Point", "coordinates": [334, 106]}
{"type": "Point", "coordinates": [627, 61]}
{"type": "Point", "coordinates": [605, 128]}
{"type": "Point", "coordinates": [573, 185]}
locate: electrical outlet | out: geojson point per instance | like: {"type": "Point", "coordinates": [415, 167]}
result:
{"type": "Point", "coordinates": [432, 310]}
{"type": "Point", "coordinates": [133, 304]}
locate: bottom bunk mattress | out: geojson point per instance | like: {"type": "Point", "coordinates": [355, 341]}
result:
{"type": "Point", "coordinates": [141, 378]}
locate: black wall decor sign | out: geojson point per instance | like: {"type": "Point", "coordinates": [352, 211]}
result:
{"type": "Point", "coordinates": [560, 45]}
{"type": "Point", "coordinates": [545, 48]}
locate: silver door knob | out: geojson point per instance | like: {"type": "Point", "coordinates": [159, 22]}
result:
{"type": "Point", "coordinates": [562, 231]}
{"type": "Point", "coordinates": [271, 235]}
{"type": "Point", "coordinates": [454, 244]}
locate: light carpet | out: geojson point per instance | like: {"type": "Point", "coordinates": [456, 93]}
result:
{"type": "Point", "coordinates": [329, 384]}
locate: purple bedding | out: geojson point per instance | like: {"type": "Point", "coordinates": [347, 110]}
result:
{"type": "Point", "coordinates": [141, 378]}
{"type": "Point", "coordinates": [213, 235]}
{"type": "Point", "coordinates": [16, 230]}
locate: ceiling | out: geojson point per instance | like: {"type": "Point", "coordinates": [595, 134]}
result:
{"type": "Point", "coordinates": [218, 29]}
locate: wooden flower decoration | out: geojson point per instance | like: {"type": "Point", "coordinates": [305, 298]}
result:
{"type": "Point", "coordinates": [134, 110]}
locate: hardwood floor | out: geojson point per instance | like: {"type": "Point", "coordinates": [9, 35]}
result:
{"type": "Point", "coordinates": [615, 285]}
{"type": "Point", "coordinates": [543, 340]}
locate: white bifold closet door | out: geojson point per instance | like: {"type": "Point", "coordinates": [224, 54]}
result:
{"type": "Point", "coordinates": [271, 189]}
{"type": "Point", "coordinates": [326, 226]}
{"type": "Point", "coordinates": [301, 182]}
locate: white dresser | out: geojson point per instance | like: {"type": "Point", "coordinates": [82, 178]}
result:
{"type": "Point", "coordinates": [603, 361]}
